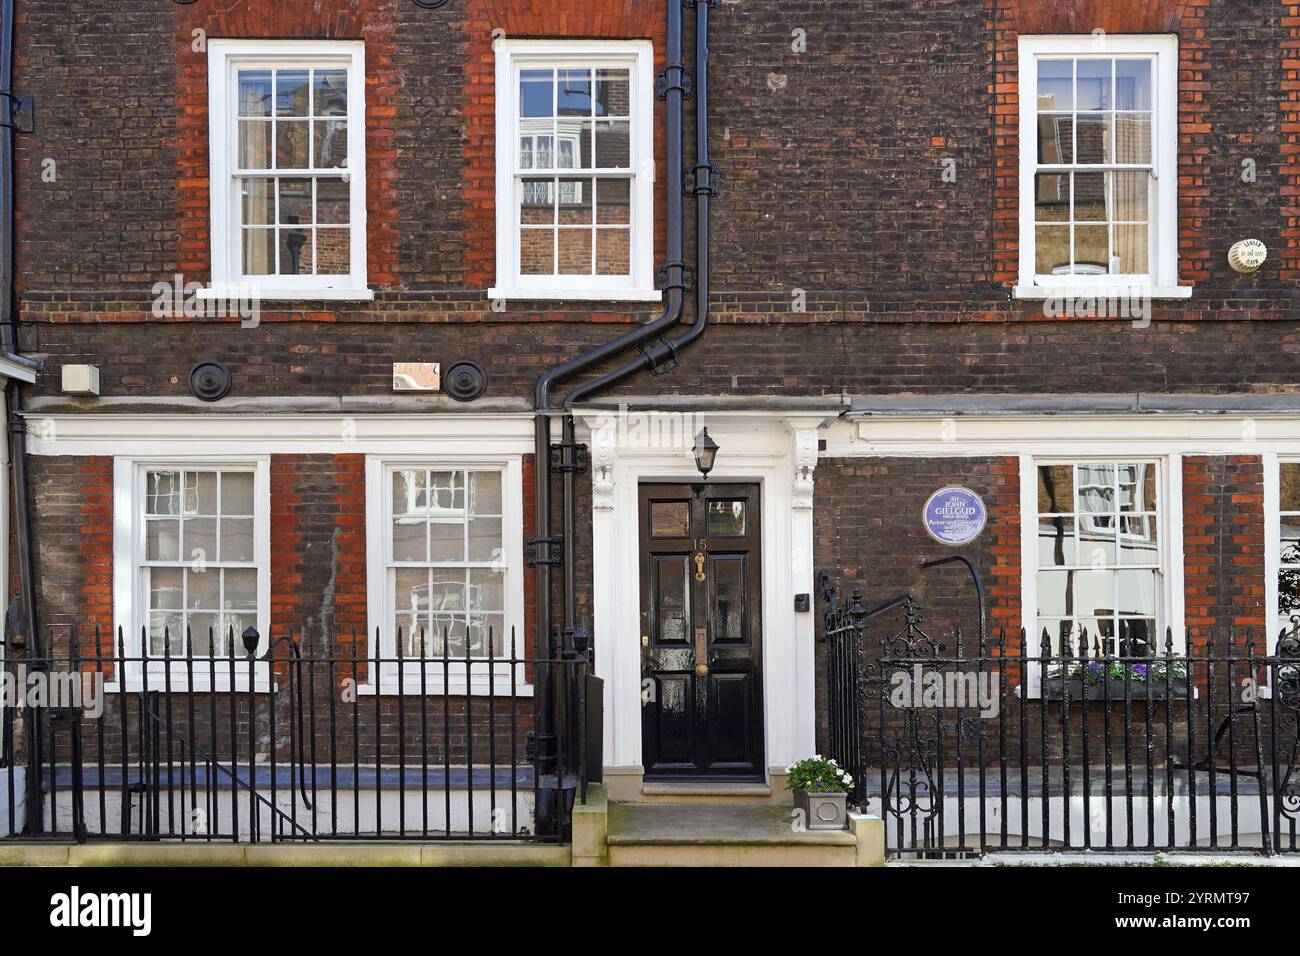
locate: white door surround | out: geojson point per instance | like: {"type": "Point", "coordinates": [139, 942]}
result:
{"type": "Point", "coordinates": [779, 452]}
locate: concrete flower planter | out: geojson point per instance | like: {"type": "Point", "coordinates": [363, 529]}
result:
{"type": "Point", "coordinates": [822, 811]}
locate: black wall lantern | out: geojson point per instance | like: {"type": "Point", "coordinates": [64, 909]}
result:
{"type": "Point", "coordinates": [706, 450]}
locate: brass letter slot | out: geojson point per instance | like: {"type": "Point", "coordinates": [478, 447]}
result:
{"type": "Point", "coordinates": [701, 651]}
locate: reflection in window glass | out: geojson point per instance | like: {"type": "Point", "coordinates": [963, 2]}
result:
{"type": "Point", "coordinates": [1099, 556]}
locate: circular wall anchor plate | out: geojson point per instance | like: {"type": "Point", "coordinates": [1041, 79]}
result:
{"type": "Point", "coordinates": [210, 381]}
{"type": "Point", "coordinates": [465, 381]}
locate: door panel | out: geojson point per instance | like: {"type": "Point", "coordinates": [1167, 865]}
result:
{"type": "Point", "coordinates": [701, 636]}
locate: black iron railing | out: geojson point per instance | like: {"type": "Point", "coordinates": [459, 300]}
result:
{"type": "Point", "coordinates": [286, 743]}
{"type": "Point", "coordinates": [1003, 744]}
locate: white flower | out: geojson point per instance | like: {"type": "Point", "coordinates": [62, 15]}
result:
{"type": "Point", "coordinates": [833, 763]}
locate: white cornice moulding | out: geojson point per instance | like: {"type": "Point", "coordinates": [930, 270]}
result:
{"type": "Point", "coordinates": [962, 436]}
{"type": "Point", "coordinates": [128, 434]}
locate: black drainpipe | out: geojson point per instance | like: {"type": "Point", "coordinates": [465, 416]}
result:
{"type": "Point", "coordinates": [674, 84]}
{"type": "Point", "coordinates": [22, 517]}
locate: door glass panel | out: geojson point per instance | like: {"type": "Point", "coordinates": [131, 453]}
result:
{"type": "Point", "coordinates": [670, 519]}
{"type": "Point", "coordinates": [728, 585]}
{"type": "Point", "coordinates": [672, 599]}
{"type": "Point", "coordinates": [726, 517]}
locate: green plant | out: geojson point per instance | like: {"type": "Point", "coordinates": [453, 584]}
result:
{"type": "Point", "coordinates": [1097, 672]}
{"type": "Point", "coordinates": [818, 774]}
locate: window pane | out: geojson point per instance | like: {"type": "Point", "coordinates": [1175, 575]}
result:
{"type": "Point", "coordinates": [330, 93]}
{"type": "Point", "coordinates": [292, 144]}
{"type": "Point", "coordinates": [164, 588]}
{"type": "Point", "coordinates": [537, 199]}
{"type": "Point", "coordinates": [613, 93]}
{"type": "Point", "coordinates": [200, 493]}
{"type": "Point", "coordinates": [575, 205]}
{"type": "Point", "coordinates": [1137, 593]}
{"type": "Point", "coordinates": [446, 492]}
{"type": "Point", "coordinates": [1092, 138]}
{"type": "Point", "coordinates": [575, 252]}
{"type": "Point", "coordinates": [1133, 138]}
{"type": "Point", "coordinates": [330, 144]}
{"type": "Point", "coordinates": [1097, 540]}
{"type": "Point", "coordinates": [258, 201]}
{"type": "Point", "coordinates": [485, 539]}
{"type": "Point", "coordinates": [1288, 592]}
{"type": "Point", "coordinates": [536, 252]}
{"type": "Point", "coordinates": [168, 623]}
{"type": "Point", "coordinates": [446, 540]}
{"type": "Point", "coordinates": [487, 590]}
{"type": "Point", "coordinates": [163, 493]}
{"type": "Point", "coordinates": [573, 93]}
{"type": "Point", "coordinates": [613, 145]}
{"type": "Point", "coordinates": [1132, 251]}
{"type": "Point", "coordinates": [254, 145]}
{"type": "Point", "coordinates": [726, 517]}
{"type": "Point", "coordinates": [291, 93]}
{"type": "Point", "coordinates": [1091, 199]}
{"type": "Point", "coordinates": [613, 201]}
{"type": "Point", "coordinates": [485, 492]}
{"type": "Point", "coordinates": [536, 93]}
{"type": "Point", "coordinates": [237, 539]}
{"type": "Point", "coordinates": [1054, 593]}
{"type": "Point", "coordinates": [1052, 250]}
{"type": "Point", "coordinates": [1052, 197]}
{"type": "Point", "coordinates": [236, 493]}
{"type": "Point", "coordinates": [1139, 540]}
{"type": "Point", "coordinates": [1094, 593]}
{"type": "Point", "coordinates": [332, 201]}
{"type": "Point", "coordinates": [200, 539]}
{"type": "Point", "coordinates": [239, 590]}
{"type": "Point", "coordinates": [1057, 546]}
{"type": "Point", "coordinates": [254, 92]}
{"type": "Point", "coordinates": [1093, 86]}
{"type": "Point", "coordinates": [1091, 249]}
{"type": "Point", "coordinates": [333, 252]}
{"type": "Point", "coordinates": [295, 201]}
{"type": "Point", "coordinates": [203, 589]}
{"type": "Point", "coordinates": [1289, 476]}
{"type": "Point", "coordinates": [1133, 84]}
{"type": "Point", "coordinates": [670, 519]}
{"type": "Point", "coordinates": [1131, 193]}
{"type": "Point", "coordinates": [1055, 138]}
{"type": "Point", "coordinates": [162, 540]}
{"type": "Point", "coordinates": [613, 252]}
{"type": "Point", "coordinates": [259, 252]}
{"type": "Point", "coordinates": [1056, 84]}
{"type": "Point", "coordinates": [1055, 489]}
{"type": "Point", "coordinates": [295, 251]}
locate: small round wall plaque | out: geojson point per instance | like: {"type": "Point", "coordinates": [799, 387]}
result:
{"type": "Point", "coordinates": [955, 516]}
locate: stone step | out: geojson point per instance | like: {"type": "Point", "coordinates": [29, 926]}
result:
{"type": "Point", "coordinates": [726, 834]}
{"type": "Point", "coordinates": [708, 792]}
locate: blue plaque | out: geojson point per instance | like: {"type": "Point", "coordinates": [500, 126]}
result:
{"type": "Point", "coordinates": [955, 516]}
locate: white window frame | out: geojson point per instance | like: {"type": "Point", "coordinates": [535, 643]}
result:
{"type": "Point", "coordinates": [225, 57]}
{"type": "Point", "coordinates": [131, 604]}
{"type": "Point", "coordinates": [515, 55]}
{"type": "Point", "coordinates": [1169, 511]}
{"type": "Point", "coordinates": [1273, 544]}
{"type": "Point", "coordinates": [379, 603]}
{"type": "Point", "coordinates": [1162, 282]}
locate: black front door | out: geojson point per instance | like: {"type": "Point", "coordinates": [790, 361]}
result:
{"type": "Point", "coordinates": [701, 631]}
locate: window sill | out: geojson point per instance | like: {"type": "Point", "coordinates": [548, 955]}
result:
{"type": "Point", "coordinates": [1039, 292]}
{"type": "Point", "coordinates": [584, 295]}
{"type": "Point", "coordinates": [411, 687]}
{"type": "Point", "coordinates": [244, 293]}
{"type": "Point", "coordinates": [179, 685]}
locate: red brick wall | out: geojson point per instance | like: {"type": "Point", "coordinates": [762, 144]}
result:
{"type": "Point", "coordinates": [1291, 142]}
{"type": "Point", "coordinates": [1223, 545]}
{"type": "Point", "coordinates": [1183, 17]}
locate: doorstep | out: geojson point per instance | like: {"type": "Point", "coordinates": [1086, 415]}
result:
{"type": "Point", "coordinates": [709, 792]}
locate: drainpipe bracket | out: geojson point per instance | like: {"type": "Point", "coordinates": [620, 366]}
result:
{"type": "Point", "coordinates": [663, 282]}
{"type": "Point", "coordinates": [674, 77]}
{"type": "Point", "coordinates": [702, 180]}
{"type": "Point", "coordinates": [569, 457]}
{"type": "Point", "coordinates": [655, 366]}
{"type": "Point", "coordinates": [543, 551]}
{"type": "Point", "coordinates": [22, 113]}
{"type": "Point", "coordinates": [692, 4]}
